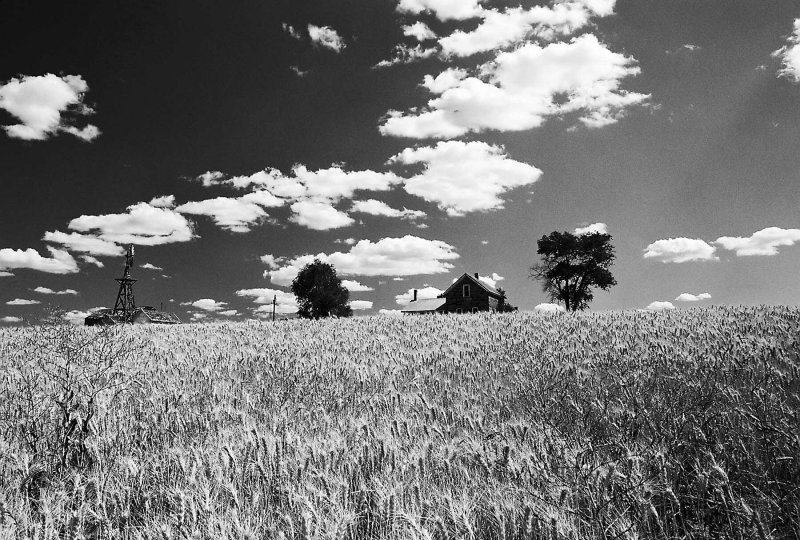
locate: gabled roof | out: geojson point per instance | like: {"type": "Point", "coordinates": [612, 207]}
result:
{"type": "Point", "coordinates": [485, 286]}
{"type": "Point", "coordinates": [427, 304]}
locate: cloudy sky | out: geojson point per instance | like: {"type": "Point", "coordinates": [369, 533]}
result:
{"type": "Point", "coordinates": [403, 141]}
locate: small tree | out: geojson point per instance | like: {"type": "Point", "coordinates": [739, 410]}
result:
{"type": "Point", "coordinates": [320, 293]}
{"type": "Point", "coordinates": [572, 265]}
{"type": "Point", "coordinates": [502, 305]}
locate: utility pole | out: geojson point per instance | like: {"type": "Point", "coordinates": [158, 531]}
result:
{"type": "Point", "coordinates": [274, 301]}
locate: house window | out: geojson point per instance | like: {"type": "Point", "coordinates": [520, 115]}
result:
{"type": "Point", "coordinates": [465, 291]}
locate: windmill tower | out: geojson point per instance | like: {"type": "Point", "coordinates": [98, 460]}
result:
{"type": "Point", "coordinates": [125, 305]}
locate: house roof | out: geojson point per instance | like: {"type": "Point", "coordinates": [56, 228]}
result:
{"type": "Point", "coordinates": [485, 286]}
{"type": "Point", "coordinates": [428, 304]}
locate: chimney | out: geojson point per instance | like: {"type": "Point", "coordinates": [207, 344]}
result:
{"type": "Point", "coordinates": [415, 295]}
{"type": "Point", "coordinates": [477, 276]}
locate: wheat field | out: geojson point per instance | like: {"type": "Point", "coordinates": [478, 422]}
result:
{"type": "Point", "coordinates": [680, 424]}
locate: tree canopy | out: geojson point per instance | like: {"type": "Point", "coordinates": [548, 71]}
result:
{"type": "Point", "coordinates": [320, 292]}
{"type": "Point", "coordinates": [572, 265]}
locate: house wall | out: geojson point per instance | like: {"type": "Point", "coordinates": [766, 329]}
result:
{"type": "Point", "coordinates": [479, 298]}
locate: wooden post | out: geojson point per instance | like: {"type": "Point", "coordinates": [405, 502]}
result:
{"type": "Point", "coordinates": [274, 300]}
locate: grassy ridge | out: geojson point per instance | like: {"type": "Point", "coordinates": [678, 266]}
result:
{"type": "Point", "coordinates": [681, 424]}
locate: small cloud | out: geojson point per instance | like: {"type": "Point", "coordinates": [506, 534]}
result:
{"type": "Point", "coordinates": [299, 72]}
{"type": "Point", "coordinates": [660, 306]}
{"type": "Point", "coordinates": [764, 242]}
{"type": "Point", "coordinates": [228, 313]}
{"type": "Point", "coordinates": [11, 320]}
{"type": "Point", "coordinates": [686, 48]}
{"type": "Point", "coordinates": [355, 286]}
{"type": "Point", "coordinates": [680, 250]}
{"type": "Point", "coordinates": [289, 29]}
{"type": "Point", "coordinates": [164, 201]}
{"type": "Point", "coordinates": [319, 216]}
{"type": "Point", "coordinates": [789, 55]}
{"type": "Point", "coordinates": [422, 294]}
{"type": "Point", "coordinates": [206, 304]}
{"type": "Point", "coordinates": [379, 208]}
{"type": "Point", "coordinates": [148, 266]}
{"type": "Point", "coordinates": [46, 290]}
{"type": "Point", "coordinates": [491, 280]}
{"type": "Point", "coordinates": [60, 263]}
{"type": "Point", "coordinates": [360, 305]}
{"type": "Point", "coordinates": [211, 178]}
{"type": "Point", "coordinates": [420, 31]}
{"type": "Point", "coordinates": [403, 54]}
{"type": "Point", "coordinates": [39, 103]}
{"type": "Point", "coordinates": [270, 260]}
{"type": "Point", "coordinates": [485, 242]}
{"type": "Point", "coordinates": [688, 297]}
{"type": "Point", "coordinates": [600, 228]}
{"type": "Point", "coordinates": [327, 37]}
{"type": "Point", "coordinates": [22, 302]}
{"type": "Point", "coordinates": [91, 260]}
{"type": "Point", "coordinates": [390, 312]}
{"type": "Point", "coordinates": [3, 273]}
{"type": "Point", "coordinates": [549, 308]}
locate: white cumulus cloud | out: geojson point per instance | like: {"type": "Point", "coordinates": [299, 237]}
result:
{"type": "Point", "coordinates": [688, 297]}
{"type": "Point", "coordinates": [406, 256]}
{"type": "Point", "coordinates": [357, 305]}
{"type": "Point", "coordinates": [464, 177]}
{"type": "Point", "coordinates": [325, 36]}
{"type": "Point", "coordinates": [680, 250]}
{"type": "Point", "coordinates": [207, 304]}
{"type": "Point", "coordinates": [444, 10]}
{"type": "Point", "coordinates": [492, 280]}
{"type": "Point", "coordinates": [47, 290]}
{"type": "Point", "coordinates": [660, 306]}
{"type": "Point", "coordinates": [380, 208]}
{"type": "Point", "coordinates": [520, 89]}
{"type": "Point", "coordinates": [40, 103]}
{"type": "Point", "coordinates": [549, 308]}
{"type": "Point", "coordinates": [319, 216]}
{"type": "Point", "coordinates": [142, 225]}
{"type": "Point", "coordinates": [163, 201]}
{"type": "Point", "coordinates": [84, 243]}
{"type": "Point", "coordinates": [149, 266]}
{"type": "Point", "coordinates": [355, 286]}
{"type": "Point", "coordinates": [10, 319]}
{"type": "Point", "coordinates": [61, 261]}
{"type": "Point", "coordinates": [233, 214]}
{"type": "Point", "coordinates": [601, 228]}
{"type": "Point", "coordinates": [424, 293]}
{"type": "Point", "coordinates": [22, 302]}
{"type": "Point", "coordinates": [789, 55]}
{"type": "Point", "coordinates": [419, 30]}
{"type": "Point", "coordinates": [764, 242]}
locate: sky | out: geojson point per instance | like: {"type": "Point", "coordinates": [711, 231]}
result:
{"type": "Point", "coordinates": [403, 141]}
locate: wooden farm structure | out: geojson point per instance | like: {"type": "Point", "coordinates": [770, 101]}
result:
{"type": "Point", "coordinates": [125, 309]}
{"type": "Point", "coordinates": [467, 294]}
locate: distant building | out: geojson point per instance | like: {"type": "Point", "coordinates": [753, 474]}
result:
{"type": "Point", "coordinates": [467, 294]}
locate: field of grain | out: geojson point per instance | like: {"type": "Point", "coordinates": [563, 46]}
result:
{"type": "Point", "coordinates": [680, 424]}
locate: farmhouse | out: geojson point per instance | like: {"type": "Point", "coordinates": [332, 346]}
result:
{"type": "Point", "coordinates": [467, 294]}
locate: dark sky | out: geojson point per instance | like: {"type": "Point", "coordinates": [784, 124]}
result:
{"type": "Point", "coordinates": [703, 147]}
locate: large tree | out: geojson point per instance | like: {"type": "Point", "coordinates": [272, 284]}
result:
{"type": "Point", "coordinates": [320, 292]}
{"type": "Point", "coordinates": [572, 265]}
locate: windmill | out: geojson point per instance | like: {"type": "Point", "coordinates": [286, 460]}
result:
{"type": "Point", "coordinates": [126, 305]}
{"type": "Point", "coordinates": [125, 308]}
